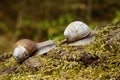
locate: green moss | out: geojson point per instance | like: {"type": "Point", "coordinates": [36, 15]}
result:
{"type": "Point", "coordinates": [99, 60]}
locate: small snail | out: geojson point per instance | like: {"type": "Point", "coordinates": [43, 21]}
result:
{"type": "Point", "coordinates": [78, 33]}
{"type": "Point", "coordinates": [25, 47]}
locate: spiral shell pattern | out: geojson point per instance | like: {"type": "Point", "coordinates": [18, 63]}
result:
{"type": "Point", "coordinates": [23, 49]}
{"type": "Point", "coordinates": [76, 31]}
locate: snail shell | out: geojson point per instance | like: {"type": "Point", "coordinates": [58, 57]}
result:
{"type": "Point", "coordinates": [78, 33]}
{"type": "Point", "coordinates": [25, 47]}
{"type": "Point", "coordinates": [76, 30]}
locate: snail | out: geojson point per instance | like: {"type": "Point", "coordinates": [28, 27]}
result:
{"type": "Point", "coordinates": [24, 48]}
{"type": "Point", "coordinates": [78, 33]}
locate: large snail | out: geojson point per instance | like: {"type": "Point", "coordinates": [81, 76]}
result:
{"type": "Point", "coordinates": [25, 47]}
{"type": "Point", "coordinates": [78, 33]}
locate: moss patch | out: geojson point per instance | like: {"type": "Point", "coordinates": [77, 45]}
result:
{"type": "Point", "coordinates": [99, 60]}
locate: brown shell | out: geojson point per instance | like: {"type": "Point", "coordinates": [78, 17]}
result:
{"type": "Point", "coordinates": [30, 47]}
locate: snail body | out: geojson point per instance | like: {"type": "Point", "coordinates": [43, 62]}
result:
{"type": "Point", "coordinates": [45, 46]}
{"type": "Point", "coordinates": [25, 47]}
{"type": "Point", "coordinates": [78, 33]}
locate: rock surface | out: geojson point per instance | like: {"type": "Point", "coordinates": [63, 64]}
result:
{"type": "Point", "coordinates": [97, 61]}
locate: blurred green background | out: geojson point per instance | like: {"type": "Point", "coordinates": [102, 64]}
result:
{"type": "Point", "coordinates": [40, 20]}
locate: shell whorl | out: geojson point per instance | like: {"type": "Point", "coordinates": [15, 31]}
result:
{"type": "Point", "coordinates": [23, 49]}
{"type": "Point", "coordinates": [76, 30]}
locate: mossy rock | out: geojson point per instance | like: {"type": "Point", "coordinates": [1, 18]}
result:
{"type": "Point", "coordinates": [97, 61]}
